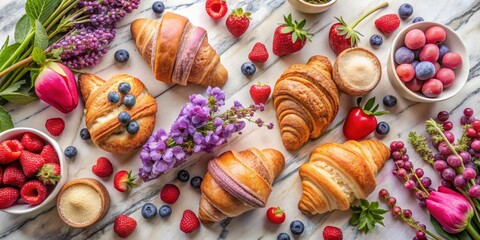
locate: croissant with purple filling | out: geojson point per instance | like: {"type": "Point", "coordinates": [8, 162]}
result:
{"type": "Point", "coordinates": [237, 182]}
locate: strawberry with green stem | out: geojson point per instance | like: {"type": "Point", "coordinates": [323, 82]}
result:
{"type": "Point", "coordinates": [123, 181]}
{"type": "Point", "coordinates": [343, 36]}
{"type": "Point", "coordinates": [361, 121]}
{"type": "Point", "coordinates": [290, 37]}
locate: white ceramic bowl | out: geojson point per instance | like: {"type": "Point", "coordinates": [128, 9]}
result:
{"type": "Point", "coordinates": [27, 208]}
{"type": "Point", "coordinates": [306, 7]}
{"type": "Point", "coordinates": [454, 43]}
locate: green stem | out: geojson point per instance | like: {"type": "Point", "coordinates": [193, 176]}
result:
{"type": "Point", "coordinates": [19, 50]}
{"type": "Point", "coordinates": [16, 65]}
{"type": "Point", "coordinates": [59, 13]}
{"type": "Point", "coordinates": [474, 234]}
{"type": "Point", "coordinates": [382, 5]}
{"type": "Point", "coordinates": [439, 131]}
{"type": "Point", "coordinates": [420, 182]}
{"type": "Point", "coordinates": [470, 200]}
{"type": "Point", "coordinates": [421, 229]}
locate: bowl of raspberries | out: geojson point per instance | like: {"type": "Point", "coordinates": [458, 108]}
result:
{"type": "Point", "coordinates": [32, 170]}
{"type": "Point", "coordinates": [428, 62]}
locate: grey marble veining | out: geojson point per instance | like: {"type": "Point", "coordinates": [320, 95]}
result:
{"type": "Point", "coordinates": [407, 116]}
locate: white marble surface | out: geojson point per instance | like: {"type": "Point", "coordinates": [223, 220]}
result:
{"type": "Point", "coordinates": [462, 16]}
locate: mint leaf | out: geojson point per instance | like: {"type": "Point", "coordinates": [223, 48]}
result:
{"type": "Point", "coordinates": [5, 120]}
{"type": "Point", "coordinates": [22, 29]}
{"type": "Point", "coordinates": [366, 215]}
{"type": "Point", "coordinates": [41, 36]}
{"type": "Point", "coordinates": [39, 56]}
{"type": "Point", "coordinates": [15, 94]}
{"type": "Point", "coordinates": [7, 53]}
{"type": "Point", "coordinates": [40, 9]}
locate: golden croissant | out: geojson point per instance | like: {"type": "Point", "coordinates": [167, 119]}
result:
{"type": "Point", "coordinates": [177, 51]}
{"type": "Point", "coordinates": [306, 101]}
{"type": "Point", "coordinates": [337, 174]}
{"type": "Point", "coordinates": [237, 182]}
{"type": "Point", "coordinates": [102, 116]}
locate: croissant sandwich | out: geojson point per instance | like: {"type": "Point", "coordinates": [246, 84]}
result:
{"type": "Point", "coordinates": [177, 51]}
{"type": "Point", "coordinates": [337, 174]}
{"type": "Point", "coordinates": [237, 182]}
{"type": "Point", "coordinates": [306, 101]}
{"type": "Point", "coordinates": [118, 122]}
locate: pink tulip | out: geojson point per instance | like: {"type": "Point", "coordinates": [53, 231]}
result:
{"type": "Point", "coordinates": [56, 86]}
{"type": "Point", "coordinates": [452, 210]}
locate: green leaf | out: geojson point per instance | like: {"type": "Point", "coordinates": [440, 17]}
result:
{"type": "Point", "coordinates": [39, 56]}
{"type": "Point", "coordinates": [15, 94]}
{"type": "Point", "coordinates": [366, 215]}
{"type": "Point", "coordinates": [287, 30]}
{"type": "Point", "coordinates": [302, 24]}
{"type": "Point", "coordinates": [369, 104]}
{"type": "Point", "coordinates": [22, 29]}
{"type": "Point", "coordinates": [40, 9]}
{"type": "Point", "coordinates": [33, 77]}
{"type": "Point", "coordinates": [439, 229]}
{"type": "Point", "coordinates": [5, 120]}
{"type": "Point", "coordinates": [354, 220]}
{"type": "Point", "coordinates": [359, 101]}
{"type": "Point", "coordinates": [41, 36]}
{"type": "Point", "coordinates": [7, 53]}
{"type": "Point", "coordinates": [5, 44]}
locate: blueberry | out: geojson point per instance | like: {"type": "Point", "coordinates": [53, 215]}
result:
{"type": "Point", "coordinates": [165, 211]}
{"type": "Point", "coordinates": [113, 97]}
{"type": "Point", "coordinates": [414, 63]}
{"type": "Point", "coordinates": [183, 176]}
{"type": "Point", "coordinates": [418, 19]}
{"type": "Point", "coordinates": [424, 70]}
{"type": "Point", "coordinates": [297, 227]}
{"type": "Point", "coordinates": [129, 100]}
{"type": "Point", "coordinates": [124, 87]}
{"type": "Point", "coordinates": [376, 40]}
{"type": "Point", "coordinates": [196, 182]}
{"type": "Point", "coordinates": [121, 56]}
{"type": "Point", "coordinates": [405, 10]}
{"type": "Point", "coordinates": [443, 49]}
{"type": "Point", "coordinates": [382, 128]}
{"type": "Point", "coordinates": [149, 210]}
{"type": "Point", "coordinates": [158, 7]}
{"type": "Point", "coordinates": [389, 101]}
{"type": "Point", "coordinates": [248, 69]}
{"type": "Point", "coordinates": [133, 127]}
{"type": "Point", "coordinates": [85, 134]}
{"type": "Point", "coordinates": [404, 55]}
{"type": "Point", "coordinates": [283, 236]}
{"type": "Point", "coordinates": [70, 152]}
{"type": "Point", "coordinates": [124, 117]}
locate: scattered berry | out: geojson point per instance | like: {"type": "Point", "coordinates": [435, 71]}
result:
{"type": "Point", "coordinates": [196, 182]}
{"type": "Point", "coordinates": [388, 23]}
{"type": "Point", "coordinates": [121, 55]}
{"type": "Point", "coordinates": [468, 112]}
{"type": "Point", "coordinates": [382, 128]}
{"type": "Point", "coordinates": [389, 101]}
{"type": "Point", "coordinates": [376, 41]}
{"type": "Point", "coordinates": [10, 150]}
{"type": "Point", "coordinates": [332, 233]}
{"type": "Point", "coordinates": [55, 126]}
{"type": "Point", "coordinates": [216, 8]}
{"type": "Point", "coordinates": [435, 35]}
{"type": "Point", "coordinates": [149, 211]}
{"type": "Point", "coordinates": [103, 168]}
{"type": "Point", "coordinates": [123, 181]}
{"type": "Point", "coordinates": [238, 22]}
{"type": "Point", "coordinates": [133, 127]}
{"type": "Point", "coordinates": [258, 53]}
{"type": "Point", "coordinates": [113, 97]}
{"type": "Point", "coordinates": [124, 87]}
{"type": "Point", "coordinates": [124, 117]}
{"type": "Point", "coordinates": [443, 116]}
{"type": "Point", "coordinates": [31, 163]}
{"type": "Point", "coordinates": [124, 225]}
{"type": "Point", "coordinates": [183, 176]}
{"type": "Point", "coordinates": [418, 19]}
{"type": "Point", "coordinates": [260, 93]}
{"type": "Point", "coordinates": [129, 100]}
{"type": "Point", "coordinates": [70, 152]}
{"type": "Point", "coordinates": [33, 192]}
{"type": "Point", "coordinates": [13, 175]}
{"type": "Point", "coordinates": [49, 174]}
{"type": "Point", "coordinates": [85, 134]}
{"type": "Point", "coordinates": [32, 142]}
{"type": "Point", "coordinates": [165, 211]}
{"type": "Point", "coordinates": [248, 68]}
{"type": "Point", "coordinates": [8, 197]}
{"type": "Point", "coordinates": [170, 193]}
{"type": "Point", "coordinates": [276, 215]}
{"type": "Point", "coordinates": [297, 227]}
{"type": "Point", "coordinates": [290, 37]}
{"type": "Point", "coordinates": [404, 55]}
{"type": "Point", "coordinates": [283, 236]}
{"type": "Point", "coordinates": [405, 11]}
{"type": "Point", "coordinates": [158, 7]}
{"type": "Point", "coordinates": [189, 222]}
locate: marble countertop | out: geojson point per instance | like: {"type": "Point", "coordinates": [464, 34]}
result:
{"type": "Point", "coordinates": [406, 116]}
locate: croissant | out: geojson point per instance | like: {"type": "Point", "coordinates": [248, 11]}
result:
{"type": "Point", "coordinates": [101, 115]}
{"type": "Point", "coordinates": [177, 51]}
{"type": "Point", "coordinates": [237, 182]}
{"type": "Point", "coordinates": [306, 101]}
{"type": "Point", "coordinates": [337, 174]}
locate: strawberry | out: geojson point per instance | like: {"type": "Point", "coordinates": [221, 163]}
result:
{"type": "Point", "coordinates": [1, 175]}
{"type": "Point", "coordinates": [31, 163]}
{"type": "Point", "coordinates": [260, 93]}
{"type": "Point", "coordinates": [342, 36]}
{"type": "Point", "coordinates": [361, 120]}
{"type": "Point", "coordinates": [103, 168]}
{"type": "Point", "coordinates": [10, 151]}
{"type": "Point", "coordinates": [32, 142]}
{"type": "Point", "coordinates": [33, 192]}
{"type": "Point", "coordinates": [124, 225]}
{"type": "Point", "coordinates": [123, 181]}
{"type": "Point", "coordinates": [189, 222]}
{"type": "Point", "coordinates": [49, 154]}
{"type": "Point", "coordinates": [259, 53]}
{"type": "Point", "coordinates": [216, 8]}
{"type": "Point", "coordinates": [49, 174]}
{"type": "Point", "coordinates": [388, 23]}
{"type": "Point", "coordinates": [290, 36]}
{"type": "Point", "coordinates": [8, 197]}
{"type": "Point", "coordinates": [170, 193]}
{"type": "Point", "coordinates": [13, 175]}
{"type": "Point", "coordinates": [55, 126]}
{"type": "Point", "coordinates": [332, 233]}
{"type": "Point", "coordinates": [238, 22]}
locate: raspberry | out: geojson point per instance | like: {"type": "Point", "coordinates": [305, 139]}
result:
{"type": "Point", "coordinates": [259, 53]}
{"type": "Point", "coordinates": [170, 193]}
{"type": "Point", "coordinates": [55, 126]}
{"type": "Point", "coordinates": [388, 23]}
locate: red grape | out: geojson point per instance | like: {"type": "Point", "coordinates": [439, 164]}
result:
{"type": "Point", "coordinates": [447, 126]}
{"type": "Point", "coordinates": [443, 116]}
{"type": "Point", "coordinates": [469, 173]}
{"type": "Point", "coordinates": [448, 174]}
{"type": "Point", "coordinates": [468, 112]}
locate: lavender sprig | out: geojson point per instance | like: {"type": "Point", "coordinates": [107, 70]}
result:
{"type": "Point", "coordinates": [198, 128]}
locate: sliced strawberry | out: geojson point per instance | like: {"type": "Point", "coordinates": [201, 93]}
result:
{"type": "Point", "coordinates": [31, 163]}
{"type": "Point", "coordinates": [216, 8]}
{"type": "Point", "coordinates": [123, 181]}
{"type": "Point", "coordinates": [49, 174]}
{"type": "Point", "coordinates": [32, 142]}
{"type": "Point", "coordinates": [10, 151]}
{"type": "Point", "coordinates": [55, 126]}
{"type": "Point", "coordinates": [14, 176]}
{"type": "Point", "coordinates": [33, 192]}
{"type": "Point", "coordinates": [49, 155]}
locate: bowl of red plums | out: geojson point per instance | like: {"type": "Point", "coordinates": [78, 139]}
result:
{"type": "Point", "coordinates": [428, 62]}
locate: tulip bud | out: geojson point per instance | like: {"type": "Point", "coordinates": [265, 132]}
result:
{"type": "Point", "coordinates": [451, 209]}
{"type": "Point", "coordinates": [56, 86]}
